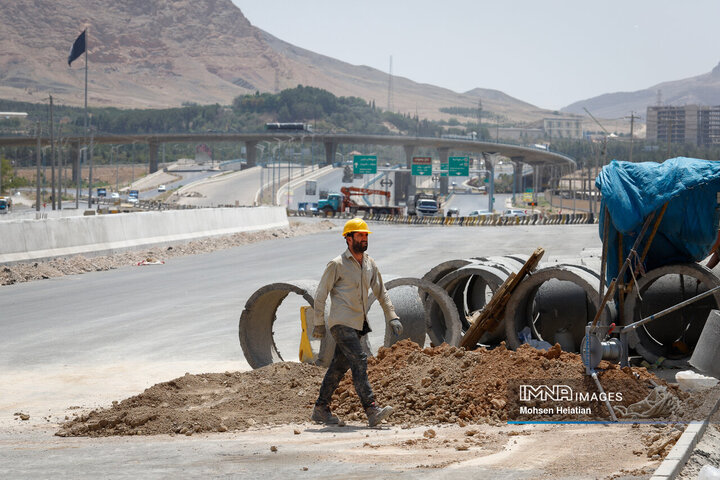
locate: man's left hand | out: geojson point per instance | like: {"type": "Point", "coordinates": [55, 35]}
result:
{"type": "Point", "coordinates": [396, 326]}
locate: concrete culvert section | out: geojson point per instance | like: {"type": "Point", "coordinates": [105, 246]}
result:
{"type": "Point", "coordinates": [555, 303]}
{"type": "Point", "coordinates": [442, 269]}
{"type": "Point", "coordinates": [675, 335]}
{"type": "Point", "coordinates": [405, 294]}
{"type": "Point", "coordinates": [257, 322]}
{"type": "Point", "coordinates": [471, 287]}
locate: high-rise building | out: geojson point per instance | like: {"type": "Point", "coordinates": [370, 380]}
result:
{"type": "Point", "coordinates": [689, 124]}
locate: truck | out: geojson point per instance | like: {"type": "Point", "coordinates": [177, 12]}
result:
{"type": "Point", "coordinates": [342, 202]}
{"type": "Point", "coordinates": [424, 205]}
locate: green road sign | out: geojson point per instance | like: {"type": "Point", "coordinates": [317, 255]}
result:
{"type": "Point", "coordinates": [365, 164]}
{"type": "Point", "coordinates": [421, 166]}
{"type": "Point", "coordinates": [443, 169]}
{"type": "Point", "coordinates": [459, 166]}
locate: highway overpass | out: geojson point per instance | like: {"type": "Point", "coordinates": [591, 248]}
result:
{"type": "Point", "coordinates": [518, 154]}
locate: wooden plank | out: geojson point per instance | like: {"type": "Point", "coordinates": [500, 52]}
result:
{"type": "Point", "coordinates": [489, 317]}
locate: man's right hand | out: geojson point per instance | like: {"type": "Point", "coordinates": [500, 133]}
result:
{"type": "Point", "coordinates": [318, 331]}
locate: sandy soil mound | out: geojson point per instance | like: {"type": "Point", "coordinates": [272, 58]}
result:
{"type": "Point", "coordinates": [426, 386]}
{"type": "Point", "coordinates": [26, 272]}
{"type": "Point", "coordinates": [449, 384]}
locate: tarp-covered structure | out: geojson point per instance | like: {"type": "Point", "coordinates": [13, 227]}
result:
{"type": "Point", "coordinates": [632, 191]}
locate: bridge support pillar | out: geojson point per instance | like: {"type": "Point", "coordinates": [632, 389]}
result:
{"type": "Point", "coordinates": [153, 147]}
{"type": "Point", "coordinates": [330, 149]}
{"type": "Point", "coordinates": [409, 151]}
{"type": "Point", "coordinates": [443, 153]}
{"type": "Point", "coordinates": [251, 153]}
{"type": "Point", "coordinates": [517, 176]}
{"type": "Point", "coordinates": [490, 166]}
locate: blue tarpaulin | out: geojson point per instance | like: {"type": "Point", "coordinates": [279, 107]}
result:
{"type": "Point", "coordinates": [631, 191]}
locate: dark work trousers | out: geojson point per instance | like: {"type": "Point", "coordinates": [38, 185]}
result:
{"type": "Point", "coordinates": [348, 355]}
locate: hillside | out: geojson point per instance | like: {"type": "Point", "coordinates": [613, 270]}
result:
{"type": "Point", "coordinates": [168, 52]}
{"type": "Point", "coordinates": [702, 89]}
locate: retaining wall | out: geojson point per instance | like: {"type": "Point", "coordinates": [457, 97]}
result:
{"type": "Point", "coordinates": [24, 240]}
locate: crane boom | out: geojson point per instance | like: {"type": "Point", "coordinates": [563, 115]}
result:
{"type": "Point", "coordinates": [596, 120]}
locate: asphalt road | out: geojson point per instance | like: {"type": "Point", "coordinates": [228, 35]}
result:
{"type": "Point", "coordinates": [187, 309]}
{"type": "Point", "coordinates": [86, 340]}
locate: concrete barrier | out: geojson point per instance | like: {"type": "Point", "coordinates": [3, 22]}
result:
{"type": "Point", "coordinates": [24, 240]}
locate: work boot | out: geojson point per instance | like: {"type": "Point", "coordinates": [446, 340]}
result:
{"type": "Point", "coordinates": [322, 414]}
{"type": "Point", "coordinates": [376, 415]}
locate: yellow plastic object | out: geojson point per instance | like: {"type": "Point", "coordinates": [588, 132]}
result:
{"type": "Point", "coordinates": [306, 353]}
{"type": "Point", "coordinates": [355, 225]}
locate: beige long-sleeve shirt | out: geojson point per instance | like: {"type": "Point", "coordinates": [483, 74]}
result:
{"type": "Point", "coordinates": [348, 282]}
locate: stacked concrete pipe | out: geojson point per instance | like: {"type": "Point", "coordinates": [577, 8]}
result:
{"type": "Point", "coordinates": [406, 296]}
{"type": "Point", "coordinates": [467, 283]}
{"type": "Point", "coordinates": [671, 339]}
{"type": "Point", "coordinates": [255, 328]}
{"type": "Point", "coordinates": [556, 302]}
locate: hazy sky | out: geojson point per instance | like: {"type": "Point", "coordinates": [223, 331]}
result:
{"type": "Point", "coordinates": [546, 52]}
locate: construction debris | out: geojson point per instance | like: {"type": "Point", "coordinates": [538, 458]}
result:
{"type": "Point", "coordinates": [427, 386]}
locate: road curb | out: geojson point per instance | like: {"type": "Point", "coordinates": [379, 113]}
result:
{"type": "Point", "coordinates": [684, 447]}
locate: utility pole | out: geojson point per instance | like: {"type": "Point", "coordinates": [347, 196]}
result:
{"type": "Point", "coordinates": [60, 168]}
{"type": "Point", "coordinates": [603, 151]}
{"type": "Point", "coordinates": [37, 168]}
{"type": "Point", "coordinates": [479, 114]}
{"type": "Point", "coordinates": [90, 165]}
{"type": "Point", "coordinates": [632, 124]}
{"type": "Point", "coordinates": [390, 88]}
{"type": "Point", "coordinates": [52, 154]}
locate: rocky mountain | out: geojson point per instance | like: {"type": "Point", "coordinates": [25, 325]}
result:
{"type": "Point", "coordinates": [702, 90]}
{"type": "Point", "coordinates": [161, 53]}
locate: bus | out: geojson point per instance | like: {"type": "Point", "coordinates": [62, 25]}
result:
{"type": "Point", "coordinates": [288, 126]}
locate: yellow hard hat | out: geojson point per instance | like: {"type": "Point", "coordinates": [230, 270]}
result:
{"type": "Point", "coordinates": [355, 225]}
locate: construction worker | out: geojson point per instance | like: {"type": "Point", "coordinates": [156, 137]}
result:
{"type": "Point", "coordinates": [347, 279]}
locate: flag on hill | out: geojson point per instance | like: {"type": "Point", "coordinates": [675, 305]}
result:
{"type": "Point", "coordinates": [78, 48]}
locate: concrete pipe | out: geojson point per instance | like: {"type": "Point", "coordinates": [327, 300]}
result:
{"type": "Point", "coordinates": [405, 294]}
{"type": "Point", "coordinates": [470, 287]}
{"type": "Point", "coordinates": [440, 270]}
{"type": "Point", "coordinates": [675, 335]}
{"type": "Point", "coordinates": [256, 323]}
{"type": "Point", "coordinates": [555, 303]}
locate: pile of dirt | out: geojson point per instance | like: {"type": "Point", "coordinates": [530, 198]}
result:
{"type": "Point", "coordinates": [427, 386]}
{"type": "Point", "coordinates": [449, 384]}
{"type": "Point", "coordinates": [58, 267]}
{"type": "Point", "coordinates": [280, 393]}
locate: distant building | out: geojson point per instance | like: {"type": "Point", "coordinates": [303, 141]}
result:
{"type": "Point", "coordinates": [689, 124]}
{"type": "Point", "coordinates": [563, 127]}
{"type": "Point", "coordinates": [518, 134]}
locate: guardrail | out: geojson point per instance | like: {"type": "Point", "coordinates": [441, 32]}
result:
{"type": "Point", "coordinates": [486, 220]}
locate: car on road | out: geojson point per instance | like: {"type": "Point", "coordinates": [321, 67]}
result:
{"type": "Point", "coordinates": [132, 200]}
{"type": "Point", "coordinates": [162, 188]}
{"type": "Point", "coordinates": [114, 195]}
{"type": "Point", "coordinates": [479, 213]}
{"type": "Point", "coordinates": [513, 213]}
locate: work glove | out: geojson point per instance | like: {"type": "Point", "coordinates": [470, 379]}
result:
{"type": "Point", "coordinates": [318, 331]}
{"type": "Point", "coordinates": [396, 326]}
